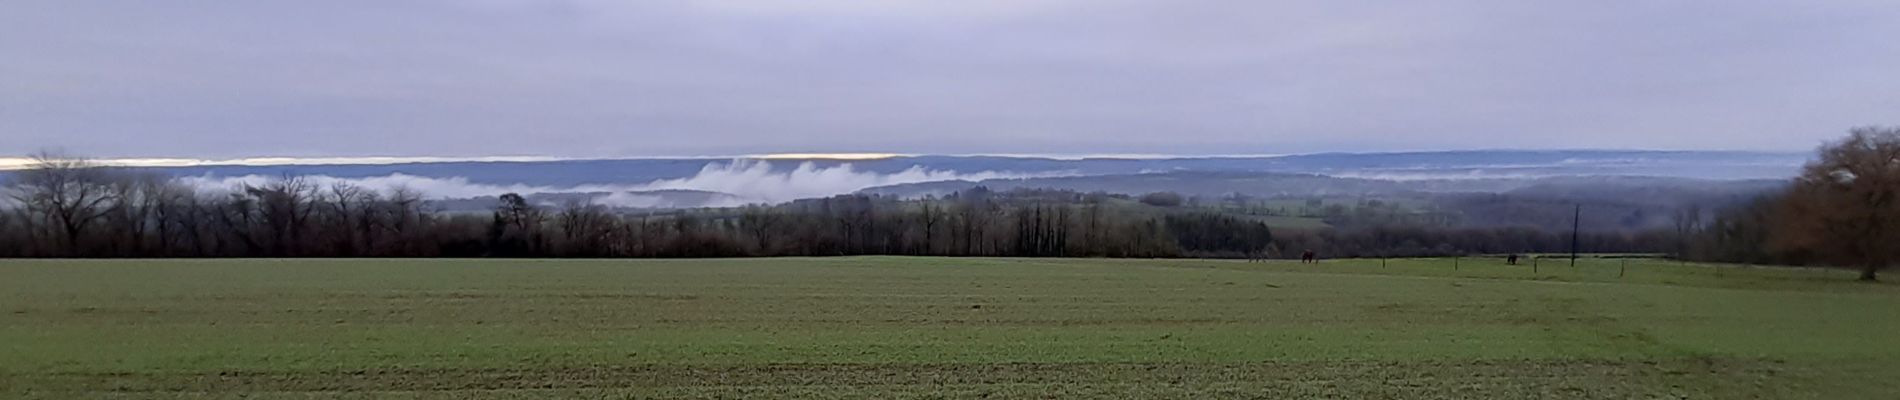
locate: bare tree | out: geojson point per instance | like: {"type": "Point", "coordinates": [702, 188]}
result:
{"type": "Point", "coordinates": [13, 227]}
{"type": "Point", "coordinates": [69, 194]}
{"type": "Point", "coordinates": [974, 216]}
{"type": "Point", "coordinates": [519, 223]}
{"type": "Point", "coordinates": [337, 208]}
{"type": "Point", "coordinates": [284, 206]}
{"type": "Point", "coordinates": [369, 219]}
{"type": "Point", "coordinates": [931, 217]}
{"type": "Point", "coordinates": [172, 206]}
{"type": "Point", "coordinates": [193, 216]}
{"type": "Point", "coordinates": [134, 213]}
{"type": "Point", "coordinates": [1687, 221]}
{"type": "Point", "coordinates": [1845, 206]}
{"type": "Point", "coordinates": [761, 223]}
{"type": "Point", "coordinates": [585, 229]}
{"type": "Point", "coordinates": [518, 213]}
{"type": "Point", "coordinates": [403, 216]}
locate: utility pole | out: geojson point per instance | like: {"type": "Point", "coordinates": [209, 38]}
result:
{"type": "Point", "coordinates": [1576, 220]}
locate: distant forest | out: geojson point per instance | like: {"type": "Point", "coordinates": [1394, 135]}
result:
{"type": "Point", "coordinates": [70, 208]}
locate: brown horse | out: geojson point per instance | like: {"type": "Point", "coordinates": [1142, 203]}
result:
{"type": "Point", "coordinates": [1308, 257]}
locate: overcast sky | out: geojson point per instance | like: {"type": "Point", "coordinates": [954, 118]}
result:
{"type": "Point", "coordinates": [606, 78]}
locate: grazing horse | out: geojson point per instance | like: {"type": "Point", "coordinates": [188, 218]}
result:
{"type": "Point", "coordinates": [1510, 259]}
{"type": "Point", "coordinates": [1308, 257]}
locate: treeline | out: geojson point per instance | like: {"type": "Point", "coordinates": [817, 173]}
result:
{"type": "Point", "coordinates": [1740, 234]}
{"type": "Point", "coordinates": [69, 208]}
{"type": "Point", "coordinates": [1418, 241]}
{"type": "Point", "coordinates": [66, 207]}
{"type": "Point", "coordinates": [1842, 210]}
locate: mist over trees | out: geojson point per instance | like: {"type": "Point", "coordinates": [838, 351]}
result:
{"type": "Point", "coordinates": [69, 207]}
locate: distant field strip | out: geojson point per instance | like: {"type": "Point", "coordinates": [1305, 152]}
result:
{"type": "Point", "coordinates": [897, 327]}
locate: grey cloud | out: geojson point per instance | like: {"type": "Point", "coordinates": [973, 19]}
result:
{"type": "Point", "coordinates": [590, 78]}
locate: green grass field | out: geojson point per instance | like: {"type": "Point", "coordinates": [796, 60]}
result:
{"type": "Point", "coordinates": [888, 327]}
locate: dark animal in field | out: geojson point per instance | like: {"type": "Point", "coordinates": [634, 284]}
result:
{"type": "Point", "coordinates": [1510, 259]}
{"type": "Point", "coordinates": [1309, 257]}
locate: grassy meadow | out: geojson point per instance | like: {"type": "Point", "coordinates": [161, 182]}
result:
{"type": "Point", "coordinates": [896, 327]}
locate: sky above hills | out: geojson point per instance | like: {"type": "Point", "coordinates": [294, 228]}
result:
{"type": "Point", "coordinates": [599, 78]}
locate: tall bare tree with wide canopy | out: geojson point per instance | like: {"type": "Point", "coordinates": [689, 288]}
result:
{"type": "Point", "coordinates": [1845, 206]}
{"type": "Point", "coordinates": [68, 194]}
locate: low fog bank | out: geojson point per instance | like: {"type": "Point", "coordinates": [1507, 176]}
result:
{"type": "Point", "coordinates": [734, 183]}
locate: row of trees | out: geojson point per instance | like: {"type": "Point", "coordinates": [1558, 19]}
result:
{"type": "Point", "coordinates": [66, 207]}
